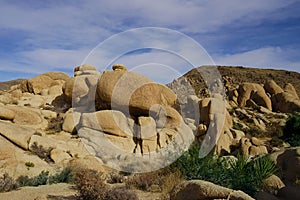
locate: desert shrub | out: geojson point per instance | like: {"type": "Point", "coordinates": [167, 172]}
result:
{"type": "Point", "coordinates": [29, 164]}
{"type": "Point", "coordinates": [55, 125]}
{"type": "Point", "coordinates": [292, 131]}
{"type": "Point", "coordinates": [143, 181]}
{"type": "Point", "coordinates": [42, 152]}
{"type": "Point", "coordinates": [121, 193]}
{"type": "Point", "coordinates": [238, 174]}
{"type": "Point", "coordinates": [7, 183]}
{"type": "Point", "coordinates": [40, 179]}
{"type": "Point", "coordinates": [114, 177]}
{"type": "Point", "coordinates": [65, 176]}
{"type": "Point", "coordinates": [90, 184]}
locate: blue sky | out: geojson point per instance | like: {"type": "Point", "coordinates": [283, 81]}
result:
{"type": "Point", "coordinates": [40, 36]}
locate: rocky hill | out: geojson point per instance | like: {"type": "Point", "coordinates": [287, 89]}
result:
{"type": "Point", "coordinates": [122, 121]}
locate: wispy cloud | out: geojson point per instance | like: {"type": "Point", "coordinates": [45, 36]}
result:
{"type": "Point", "coordinates": [52, 35]}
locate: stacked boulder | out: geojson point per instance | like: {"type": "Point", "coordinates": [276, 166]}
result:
{"type": "Point", "coordinates": [126, 109]}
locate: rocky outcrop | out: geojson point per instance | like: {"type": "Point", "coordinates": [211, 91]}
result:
{"type": "Point", "coordinates": [255, 92]}
{"type": "Point", "coordinates": [37, 84]}
{"type": "Point", "coordinates": [198, 189]}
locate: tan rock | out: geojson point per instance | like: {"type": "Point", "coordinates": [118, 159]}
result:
{"type": "Point", "coordinates": [55, 90]}
{"type": "Point", "coordinates": [237, 134]}
{"type": "Point", "coordinates": [286, 102]}
{"type": "Point", "coordinates": [260, 98]}
{"type": "Point", "coordinates": [13, 159]}
{"type": "Point", "coordinates": [57, 76]}
{"type": "Point", "coordinates": [17, 134]}
{"type": "Point", "coordinates": [257, 150]}
{"type": "Point", "coordinates": [6, 114]}
{"type": "Point", "coordinates": [245, 146]}
{"type": "Point", "coordinates": [58, 156]}
{"type": "Point", "coordinates": [165, 116]}
{"type": "Point", "coordinates": [119, 67]}
{"type": "Point", "coordinates": [198, 190]}
{"type": "Point", "coordinates": [272, 88]}
{"type": "Point", "coordinates": [255, 92]}
{"type": "Point", "coordinates": [131, 92]}
{"type": "Point", "coordinates": [26, 116]}
{"type": "Point", "coordinates": [289, 88]}
{"type": "Point", "coordinates": [71, 120]}
{"type": "Point", "coordinates": [85, 67]}
{"type": "Point", "coordinates": [147, 128]}
{"type": "Point", "coordinates": [272, 184]}
{"type": "Point", "coordinates": [109, 121]}
{"type": "Point", "coordinates": [81, 90]}
{"type": "Point", "coordinates": [37, 84]}
{"type": "Point", "coordinates": [256, 141]}
{"type": "Point", "coordinates": [201, 130]}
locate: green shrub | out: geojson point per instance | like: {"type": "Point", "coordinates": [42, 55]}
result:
{"type": "Point", "coordinates": [7, 183]}
{"type": "Point", "coordinates": [238, 174]}
{"type": "Point", "coordinates": [65, 176]}
{"type": "Point", "coordinates": [40, 179]}
{"type": "Point", "coordinates": [90, 184]}
{"type": "Point", "coordinates": [292, 131]}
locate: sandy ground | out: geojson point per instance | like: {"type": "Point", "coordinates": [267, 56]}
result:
{"type": "Point", "coordinates": [59, 191]}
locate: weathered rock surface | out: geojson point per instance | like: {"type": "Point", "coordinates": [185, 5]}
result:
{"type": "Point", "coordinates": [131, 92]}
{"type": "Point", "coordinates": [37, 84]}
{"type": "Point", "coordinates": [109, 121]}
{"type": "Point", "coordinates": [17, 134]}
{"type": "Point", "coordinates": [198, 189]}
{"type": "Point", "coordinates": [255, 92]}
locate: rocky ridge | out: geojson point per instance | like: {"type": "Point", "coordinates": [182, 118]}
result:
{"type": "Point", "coordinates": [125, 113]}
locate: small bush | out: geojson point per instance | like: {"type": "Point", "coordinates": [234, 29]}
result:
{"type": "Point", "coordinates": [55, 125]}
{"type": "Point", "coordinates": [65, 176]}
{"type": "Point", "coordinates": [292, 131]}
{"type": "Point", "coordinates": [42, 152]}
{"type": "Point", "coordinates": [40, 179]}
{"type": "Point", "coordinates": [121, 193]}
{"type": "Point", "coordinates": [143, 181]}
{"type": "Point", "coordinates": [90, 184]}
{"type": "Point", "coordinates": [7, 183]}
{"type": "Point", "coordinates": [114, 177]}
{"type": "Point", "coordinates": [29, 164]}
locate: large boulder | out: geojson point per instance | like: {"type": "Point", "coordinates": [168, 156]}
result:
{"type": "Point", "coordinates": [272, 88]}
{"type": "Point", "coordinates": [81, 90]}
{"type": "Point", "coordinates": [198, 190]}
{"type": "Point", "coordinates": [255, 92]}
{"type": "Point", "coordinates": [37, 84]}
{"type": "Point", "coordinates": [108, 121]}
{"type": "Point", "coordinates": [17, 134]}
{"type": "Point", "coordinates": [131, 92]}
{"type": "Point", "coordinates": [285, 102]}
{"type": "Point", "coordinates": [6, 114]}
{"type": "Point", "coordinates": [289, 88]}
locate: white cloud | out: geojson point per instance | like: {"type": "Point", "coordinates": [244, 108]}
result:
{"type": "Point", "coordinates": [60, 35]}
{"type": "Point", "coordinates": [266, 57]}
